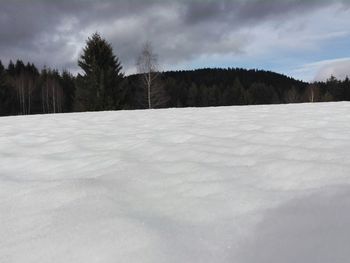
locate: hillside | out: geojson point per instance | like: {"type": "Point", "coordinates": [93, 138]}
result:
{"type": "Point", "coordinates": [227, 184]}
{"type": "Point", "coordinates": [222, 87]}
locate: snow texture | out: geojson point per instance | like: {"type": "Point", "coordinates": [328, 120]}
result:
{"type": "Point", "coordinates": [229, 184]}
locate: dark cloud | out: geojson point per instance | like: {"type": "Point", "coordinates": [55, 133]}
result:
{"type": "Point", "coordinates": [239, 12]}
{"type": "Point", "coordinates": [53, 32]}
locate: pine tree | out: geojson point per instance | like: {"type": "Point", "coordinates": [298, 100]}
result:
{"type": "Point", "coordinates": [335, 88]}
{"type": "Point", "coordinates": [7, 95]}
{"type": "Point", "coordinates": [11, 68]}
{"type": "Point", "coordinates": [203, 91]}
{"type": "Point", "coordinates": [234, 94]}
{"type": "Point", "coordinates": [3, 90]}
{"type": "Point", "coordinates": [260, 93]}
{"type": "Point", "coordinates": [68, 85]}
{"type": "Point", "coordinates": [192, 95]}
{"type": "Point", "coordinates": [292, 96]}
{"type": "Point", "coordinates": [99, 88]}
{"type": "Point", "coordinates": [346, 85]}
{"type": "Point", "coordinates": [328, 97]}
{"type": "Point", "coordinates": [212, 95]}
{"type": "Point", "coordinates": [2, 68]}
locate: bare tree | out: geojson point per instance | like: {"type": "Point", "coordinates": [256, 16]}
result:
{"type": "Point", "coordinates": [51, 93]}
{"type": "Point", "coordinates": [147, 67]}
{"type": "Point", "coordinates": [24, 84]}
{"type": "Point", "coordinates": [312, 93]}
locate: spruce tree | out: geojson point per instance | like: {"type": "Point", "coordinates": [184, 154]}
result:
{"type": "Point", "coordinates": [2, 68]}
{"type": "Point", "coordinates": [11, 68]}
{"type": "Point", "coordinates": [7, 95]}
{"type": "Point", "coordinates": [234, 94]}
{"type": "Point", "coordinates": [99, 88]}
{"type": "Point", "coordinates": [346, 85]}
{"type": "Point", "coordinates": [192, 95]}
{"type": "Point", "coordinates": [260, 93]}
{"type": "Point", "coordinates": [68, 85]}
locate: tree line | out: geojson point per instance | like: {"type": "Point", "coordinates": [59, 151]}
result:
{"type": "Point", "coordinates": [103, 86]}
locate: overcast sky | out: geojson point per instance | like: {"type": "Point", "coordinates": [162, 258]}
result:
{"type": "Point", "coordinates": [306, 39]}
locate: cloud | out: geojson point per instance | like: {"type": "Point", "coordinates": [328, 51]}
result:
{"type": "Point", "coordinates": [54, 32]}
{"type": "Point", "coordinates": [323, 70]}
{"type": "Point", "coordinates": [339, 68]}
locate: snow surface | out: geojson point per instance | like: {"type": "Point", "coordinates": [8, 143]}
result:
{"type": "Point", "coordinates": [228, 184]}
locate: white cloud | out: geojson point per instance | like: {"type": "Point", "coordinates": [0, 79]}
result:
{"type": "Point", "coordinates": [338, 68]}
{"type": "Point", "coordinates": [324, 69]}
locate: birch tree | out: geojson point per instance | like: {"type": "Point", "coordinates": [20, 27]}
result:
{"type": "Point", "coordinates": [148, 68]}
{"type": "Point", "coordinates": [52, 94]}
{"type": "Point", "coordinates": [312, 93]}
{"type": "Point", "coordinates": [24, 84]}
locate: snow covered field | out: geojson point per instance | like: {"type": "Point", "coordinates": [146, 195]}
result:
{"type": "Point", "coordinates": [230, 184]}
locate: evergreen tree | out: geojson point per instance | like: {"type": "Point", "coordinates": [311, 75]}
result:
{"type": "Point", "coordinates": [175, 92]}
{"type": "Point", "coordinates": [68, 85]}
{"type": "Point", "coordinates": [292, 96]}
{"type": "Point", "coordinates": [19, 67]}
{"type": "Point", "coordinates": [3, 90]}
{"type": "Point", "coordinates": [11, 68]}
{"type": "Point", "coordinates": [335, 89]}
{"type": "Point", "coordinates": [328, 97]}
{"type": "Point", "coordinates": [203, 91]}
{"type": "Point", "coordinates": [234, 94]}
{"type": "Point", "coordinates": [260, 93]}
{"type": "Point", "coordinates": [7, 96]}
{"type": "Point", "coordinates": [2, 68]}
{"type": "Point", "coordinates": [99, 88]}
{"type": "Point", "coordinates": [346, 85]}
{"type": "Point", "coordinates": [192, 95]}
{"type": "Point", "coordinates": [212, 95]}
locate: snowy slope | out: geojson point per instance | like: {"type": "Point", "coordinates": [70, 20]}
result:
{"type": "Point", "coordinates": [228, 184]}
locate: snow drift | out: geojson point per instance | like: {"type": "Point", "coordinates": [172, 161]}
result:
{"type": "Point", "coordinates": [228, 184]}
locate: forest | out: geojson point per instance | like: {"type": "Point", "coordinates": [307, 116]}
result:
{"type": "Point", "coordinates": [102, 85]}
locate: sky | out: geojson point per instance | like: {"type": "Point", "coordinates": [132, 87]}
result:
{"type": "Point", "coordinates": [305, 39]}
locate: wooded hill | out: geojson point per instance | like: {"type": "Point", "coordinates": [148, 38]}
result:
{"type": "Point", "coordinates": [224, 87]}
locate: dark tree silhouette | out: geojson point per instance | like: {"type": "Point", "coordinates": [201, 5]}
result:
{"type": "Point", "coordinates": [99, 87]}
